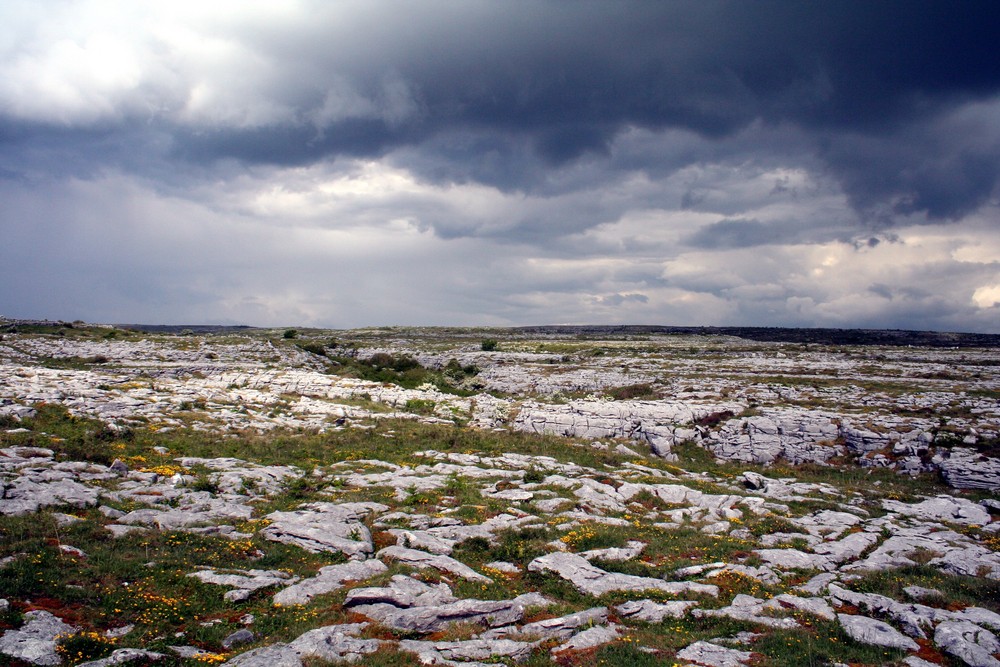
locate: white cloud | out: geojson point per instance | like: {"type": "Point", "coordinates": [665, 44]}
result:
{"type": "Point", "coordinates": [987, 296]}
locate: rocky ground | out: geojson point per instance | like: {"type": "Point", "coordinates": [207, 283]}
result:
{"type": "Point", "coordinates": [473, 497]}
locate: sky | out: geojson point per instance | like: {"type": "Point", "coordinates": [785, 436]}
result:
{"type": "Point", "coordinates": [348, 163]}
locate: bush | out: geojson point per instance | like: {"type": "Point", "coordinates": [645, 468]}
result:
{"type": "Point", "coordinates": [489, 345]}
{"type": "Point", "coordinates": [289, 334]}
{"type": "Point", "coordinates": [420, 406]}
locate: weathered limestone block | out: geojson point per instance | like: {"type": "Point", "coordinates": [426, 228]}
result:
{"type": "Point", "coordinates": [331, 643]}
{"type": "Point", "coordinates": [748, 608]}
{"type": "Point", "coordinates": [796, 436]}
{"type": "Point", "coordinates": [329, 579]}
{"type": "Point", "coordinates": [426, 619]}
{"type": "Point", "coordinates": [422, 559]}
{"type": "Point", "coordinates": [245, 582]}
{"type": "Point", "coordinates": [123, 655]}
{"type": "Point", "coordinates": [942, 508]}
{"type": "Point", "coordinates": [592, 580]}
{"type": "Point", "coordinates": [589, 638]}
{"type": "Point", "coordinates": [25, 495]}
{"type": "Point", "coordinates": [320, 527]}
{"type": "Point", "coordinates": [713, 655]}
{"type": "Point", "coordinates": [967, 469]}
{"type": "Point", "coordinates": [465, 652]}
{"type": "Point", "coordinates": [870, 631]}
{"type": "Point", "coordinates": [649, 611]}
{"type": "Point", "coordinates": [968, 642]}
{"type": "Point", "coordinates": [35, 641]}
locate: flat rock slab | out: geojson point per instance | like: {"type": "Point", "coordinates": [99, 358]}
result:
{"type": "Point", "coordinates": [968, 642]}
{"type": "Point", "coordinates": [876, 633]}
{"type": "Point", "coordinates": [26, 496]}
{"type": "Point", "coordinates": [592, 580]}
{"type": "Point", "coordinates": [561, 628]}
{"type": "Point", "coordinates": [318, 527]}
{"type": "Point", "coordinates": [422, 559]}
{"type": "Point", "coordinates": [713, 655]}
{"type": "Point", "coordinates": [589, 638]}
{"type": "Point", "coordinates": [332, 643]}
{"type": "Point", "coordinates": [749, 608]}
{"type": "Point", "coordinates": [403, 592]}
{"type": "Point", "coordinates": [649, 611]}
{"type": "Point", "coordinates": [250, 580]}
{"type": "Point", "coordinates": [490, 613]}
{"type": "Point", "coordinates": [968, 469]}
{"type": "Point", "coordinates": [35, 641]}
{"type": "Point", "coordinates": [794, 559]}
{"type": "Point", "coordinates": [465, 652]}
{"type": "Point", "coordinates": [942, 508]}
{"type": "Point", "coordinates": [122, 656]}
{"type": "Point", "coordinates": [329, 579]}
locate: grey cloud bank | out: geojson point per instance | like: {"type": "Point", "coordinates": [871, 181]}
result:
{"type": "Point", "coordinates": [353, 163]}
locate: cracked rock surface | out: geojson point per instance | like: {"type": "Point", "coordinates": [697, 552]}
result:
{"type": "Point", "coordinates": [244, 500]}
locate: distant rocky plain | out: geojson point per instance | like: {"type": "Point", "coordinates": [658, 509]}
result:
{"type": "Point", "coordinates": [829, 457]}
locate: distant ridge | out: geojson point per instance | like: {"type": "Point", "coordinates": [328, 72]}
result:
{"type": "Point", "coordinates": [193, 328]}
{"type": "Point", "coordinates": [896, 337]}
{"type": "Point", "coordinates": [820, 336]}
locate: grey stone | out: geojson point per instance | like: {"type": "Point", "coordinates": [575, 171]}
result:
{"type": "Point", "coordinates": [968, 469]}
{"type": "Point", "coordinates": [794, 559]}
{"type": "Point", "coordinates": [921, 593]}
{"type": "Point", "coordinates": [748, 608]}
{"type": "Point", "coordinates": [320, 527]}
{"type": "Point", "coordinates": [942, 508]}
{"type": "Point", "coordinates": [423, 620]}
{"type": "Point", "coordinates": [914, 661]}
{"type": "Point", "coordinates": [970, 643]}
{"type": "Point", "coordinates": [815, 606]}
{"type": "Point", "coordinates": [422, 559]}
{"type": "Point", "coordinates": [242, 636]}
{"type": "Point", "coordinates": [245, 581]}
{"type": "Point", "coordinates": [632, 549]}
{"type": "Point", "coordinates": [754, 481]}
{"type": "Point", "coordinates": [25, 496]}
{"type": "Point", "coordinates": [35, 641]}
{"type": "Point", "coordinates": [403, 592]}
{"type": "Point", "coordinates": [123, 655]}
{"type": "Point", "coordinates": [335, 642]}
{"type": "Point", "coordinates": [876, 633]}
{"type": "Point", "coordinates": [503, 566]}
{"type": "Point", "coordinates": [589, 638]}
{"type": "Point", "coordinates": [649, 611]}
{"type": "Point", "coordinates": [592, 580]}
{"type": "Point", "coordinates": [329, 579]}
{"type": "Point", "coordinates": [713, 655]}
{"type": "Point", "coordinates": [275, 655]}
{"type": "Point", "coordinates": [464, 652]}
{"type": "Point", "coordinates": [564, 627]}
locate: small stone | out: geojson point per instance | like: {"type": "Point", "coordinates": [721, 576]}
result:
{"type": "Point", "coordinates": [241, 636]}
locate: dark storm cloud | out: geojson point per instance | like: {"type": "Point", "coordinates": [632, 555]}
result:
{"type": "Point", "coordinates": [535, 86]}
